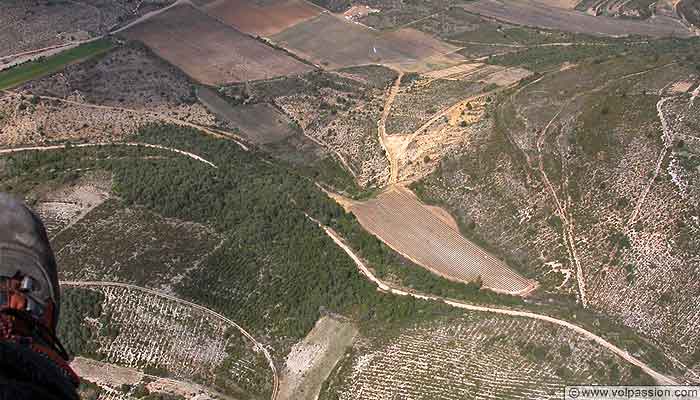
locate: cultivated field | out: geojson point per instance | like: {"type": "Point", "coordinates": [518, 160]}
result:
{"type": "Point", "coordinates": [131, 245]}
{"type": "Point", "coordinates": [260, 18]}
{"type": "Point", "coordinates": [28, 26]}
{"type": "Point", "coordinates": [473, 357]}
{"type": "Point", "coordinates": [333, 42]}
{"type": "Point", "coordinates": [209, 51]}
{"type": "Point", "coordinates": [401, 221]}
{"type": "Point", "coordinates": [129, 76]}
{"type": "Point", "coordinates": [159, 336]}
{"type": "Point", "coordinates": [261, 123]}
{"type": "Point", "coordinates": [535, 14]}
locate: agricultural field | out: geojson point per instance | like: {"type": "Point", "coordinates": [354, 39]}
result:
{"type": "Point", "coordinates": [36, 69]}
{"type": "Point", "coordinates": [431, 240]}
{"type": "Point", "coordinates": [129, 76]}
{"type": "Point", "coordinates": [260, 18]}
{"type": "Point", "coordinates": [209, 51]}
{"type": "Point", "coordinates": [29, 26]}
{"type": "Point", "coordinates": [147, 334]}
{"type": "Point", "coordinates": [472, 357]}
{"type": "Point", "coordinates": [260, 123]}
{"type": "Point", "coordinates": [584, 175]}
{"type": "Point", "coordinates": [106, 98]}
{"type": "Point", "coordinates": [142, 248]}
{"type": "Point", "coordinates": [333, 42]}
{"type": "Point", "coordinates": [535, 14]}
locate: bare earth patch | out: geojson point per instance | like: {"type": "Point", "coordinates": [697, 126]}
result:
{"type": "Point", "coordinates": [311, 361]}
{"type": "Point", "coordinates": [209, 51]}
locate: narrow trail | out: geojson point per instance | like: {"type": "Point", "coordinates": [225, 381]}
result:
{"type": "Point", "coordinates": [666, 138]}
{"type": "Point", "coordinates": [364, 270]}
{"type": "Point", "coordinates": [568, 231]}
{"type": "Point", "coordinates": [130, 144]}
{"type": "Point", "coordinates": [258, 346]}
{"type": "Point", "coordinates": [218, 133]}
{"type": "Point", "coordinates": [381, 129]}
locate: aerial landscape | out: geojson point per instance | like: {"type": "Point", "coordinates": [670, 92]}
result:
{"type": "Point", "coordinates": [362, 199]}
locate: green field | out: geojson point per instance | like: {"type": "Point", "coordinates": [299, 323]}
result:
{"type": "Point", "coordinates": [45, 66]}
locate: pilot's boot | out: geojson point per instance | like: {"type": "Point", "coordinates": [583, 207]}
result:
{"type": "Point", "coordinates": [29, 302]}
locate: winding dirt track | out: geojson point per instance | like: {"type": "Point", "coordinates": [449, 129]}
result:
{"type": "Point", "coordinates": [130, 144]}
{"type": "Point", "coordinates": [218, 133]}
{"type": "Point", "coordinates": [258, 346]}
{"type": "Point", "coordinates": [364, 270]}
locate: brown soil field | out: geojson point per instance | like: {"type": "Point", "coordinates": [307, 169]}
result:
{"type": "Point", "coordinates": [260, 122]}
{"type": "Point", "coordinates": [261, 19]}
{"type": "Point", "coordinates": [334, 42]}
{"type": "Point", "coordinates": [567, 4]}
{"type": "Point", "coordinates": [537, 14]}
{"type": "Point", "coordinates": [209, 51]}
{"type": "Point", "coordinates": [400, 220]}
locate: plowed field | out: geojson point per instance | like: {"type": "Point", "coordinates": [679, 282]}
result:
{"type": "Point", "coordinates": [209, 51]}
{"type": "Point", "coordinates": [261, 19]}
{"type": "Point", "coordinates": [409, 227]}
{"type": "Point", "coordinates": [335, 42]}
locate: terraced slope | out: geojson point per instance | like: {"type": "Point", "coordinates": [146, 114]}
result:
{"type": "Point", "coordinates": [409, 227]}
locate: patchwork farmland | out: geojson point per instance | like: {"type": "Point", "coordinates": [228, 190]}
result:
{"type": "Point", "coordinates": [260, 18]}
{"type": "Point", "coordinates": [333, 42]}
{"type": "Point", "coordinates": [399, 219]}
{"type": "Point", "coordinates": [209, 51]}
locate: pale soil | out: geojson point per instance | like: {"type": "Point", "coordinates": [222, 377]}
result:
{"type": "Point", "coordinates": [681, 86]}
{"type": "Point", "coordinates": [311, 361]}
{"type": "Point", "coordinates": [62, 207]}
{"type": "Point", "coordinates": [450, 72]}
{"type": "Point", "coordinates": [110, 376]}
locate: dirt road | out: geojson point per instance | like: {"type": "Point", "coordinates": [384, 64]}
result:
{"type": "Point", "coordinates": [221, 134]}
{"type": "Point", "coordinates": [364, 270]}
{"type": "Point", "coordinates": [258, 346]}
{"type": "Point", "coordinates": [134, 144]}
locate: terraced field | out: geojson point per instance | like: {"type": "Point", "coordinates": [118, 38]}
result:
{"type": "Point", "coordinates": [407, 226]}
{"type": "Point", "coordinates": [472, 358]}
